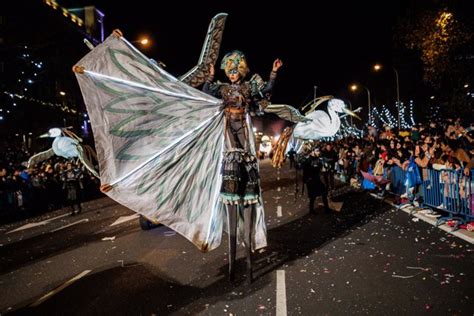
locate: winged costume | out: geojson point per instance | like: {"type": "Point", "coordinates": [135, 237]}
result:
{"type": "Point", "coordinates": [240, 183]}
{"type": "Point", "coordinates": [159, 142]}
{"type": "Point", "coordinates": [175, 154]}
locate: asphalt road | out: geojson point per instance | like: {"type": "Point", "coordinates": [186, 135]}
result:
{"type": "Point", "coordinates": [366, 259]}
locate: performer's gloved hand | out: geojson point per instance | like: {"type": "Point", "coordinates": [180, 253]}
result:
{"type": "Point", "coordinates": [210, 78]}
{"type": "Point", "coordinates": [212, 71]}
{"type": "Point", "coordinates": [277, 64]}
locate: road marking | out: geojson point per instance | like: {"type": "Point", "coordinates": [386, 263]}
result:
{"type": "Point", "coordinates": [279, 212]}
{"type": "Point", "coordinates": [123, 219]}
{"type": "Point", "coordinates": [58, 217]}
{"type": "Point", "coordinates": [281, 294]}
{"type": "Point", "coordinates": [85, 220]}
{"type": "Point", "coordinates": [31, 225]}
{"type": "Point", "coordinates": [169, 233]}
{"type": "Point", "coordinates": [60, 288]}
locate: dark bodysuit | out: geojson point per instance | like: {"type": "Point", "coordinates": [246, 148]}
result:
{"type": "Point", "coordinates": [240, 180]}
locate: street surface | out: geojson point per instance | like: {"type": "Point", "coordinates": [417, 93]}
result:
{"type": "Point", "coordinates": [369, 258]}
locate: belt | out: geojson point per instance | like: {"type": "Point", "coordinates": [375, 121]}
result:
{"type": "Point", "coordinates": [239, 111]}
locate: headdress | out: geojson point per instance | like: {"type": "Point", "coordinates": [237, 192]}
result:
{"type": "Point", "coordinates": [235, 60]}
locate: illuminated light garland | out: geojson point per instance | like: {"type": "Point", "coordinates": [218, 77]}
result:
{"type": "Point", "coordinates": [379, 116]}
{"type": "Point", "coordinates": [403, 120]}
{"type": "Point", "coordinates": [401, 110]}
{"type": "Point", "coordinates": [33, 67]}
{"type": "Point", "coordinates": [25, 78]}
{"type": "Point", "coordinates": [346, 130]}
{"type": "Point", "coordinates": [390, 119]}
{"type": "Point", "coordinates": [387, 118]}
{"type": "Point", "coordinates": [411, 113]}
{"type": "Point", "coordinates": [62, 107]}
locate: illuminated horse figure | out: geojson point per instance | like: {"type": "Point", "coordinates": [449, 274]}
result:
{"type": "Point", "coordinates": [68, 145]}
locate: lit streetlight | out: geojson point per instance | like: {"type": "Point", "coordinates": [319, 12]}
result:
{"type": "Point", "coordinates": [143, 41]}
{"type": "Point", "coordinates": [466, 86]}
{"type": "Point", "coordinates": [354, 88]}
{"type": "Point", "coordinates": [378, 67]}
{"type": "Point", "coordinates": [62, 93]}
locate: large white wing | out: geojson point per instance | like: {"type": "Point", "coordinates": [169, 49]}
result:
{"type": "Point", "coordinates": [286, 112]}
{"type": "Point", "coordinates": [39, 157]}
{"type": "Point", "coordinates": [159, 141]}
{"type": "Point", "coordinates": [321, 125]}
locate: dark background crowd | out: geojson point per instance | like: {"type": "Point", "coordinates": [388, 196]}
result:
{"type": "Point", "coordinates": [390, 156]}
{"type": "Point", "coordinates": [28, 191]}
{"type": "Point", "coordinates": [448, 144]}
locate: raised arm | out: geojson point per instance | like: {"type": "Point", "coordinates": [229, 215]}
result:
{"type": "Point", "coordinates": [209, 86]}
{"type": "Point", "coordinates": [269, 86]}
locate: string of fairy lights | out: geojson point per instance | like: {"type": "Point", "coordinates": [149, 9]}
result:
{"type": "Point", "coordinates": [347, 130]}
{"type": "Point", "coordinates": [385, 117]}
{"type": "Point", "coordinates": [61, 107]}
{"type": "Point", "coordinates": [377, 118]}
{"type": "Point", "coordinates": [30, 73]}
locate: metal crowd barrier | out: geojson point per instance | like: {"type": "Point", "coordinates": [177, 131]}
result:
{"type": "Point", "coordinates": [447, 190]}
{"type": "Point", "coordinates": [450, 191]}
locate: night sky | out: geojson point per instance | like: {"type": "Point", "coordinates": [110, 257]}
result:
{"type": "Point", "coordinates": [329, 46]}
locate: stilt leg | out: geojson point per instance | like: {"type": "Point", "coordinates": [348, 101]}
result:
{"type": "Point", "coordinates": [248, 228]}
{"type": "Point", "coordinates": [232, 224]}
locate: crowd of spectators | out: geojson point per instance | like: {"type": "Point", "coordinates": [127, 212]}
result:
{"type": "Point", "coordinates": [31, 190]}
{"type": "Point", "coordinates": [446, 145]}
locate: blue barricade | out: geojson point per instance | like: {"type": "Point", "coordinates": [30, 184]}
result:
{"type": "Point", "coordinates": [450, 191]}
